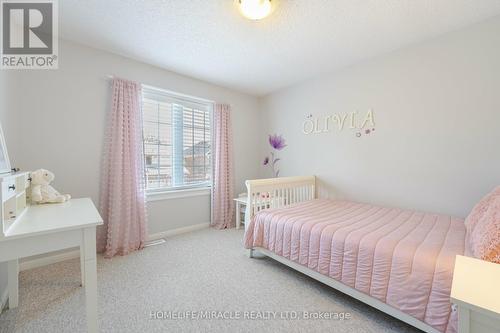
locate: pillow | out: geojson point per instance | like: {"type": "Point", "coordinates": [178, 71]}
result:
{"type": "Point", "coordinates": [479, 209]}
{"type": "Point", "coordinates": [484, 240]}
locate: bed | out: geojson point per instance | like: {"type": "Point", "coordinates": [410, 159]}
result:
{"type": "Point", "coordinates": [398, 261]}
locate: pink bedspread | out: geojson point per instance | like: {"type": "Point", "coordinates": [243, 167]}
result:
{"type": "Point", "coordinates": [401, 257]}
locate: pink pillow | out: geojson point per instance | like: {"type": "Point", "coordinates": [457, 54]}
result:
{"type": "Point", "coordinates": [484, 240]}
{"type": "Point", "coordinates": [479, 209]}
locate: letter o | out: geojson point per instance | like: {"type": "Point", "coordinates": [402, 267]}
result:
{"type": "Point", "coordinates": [304, 127]}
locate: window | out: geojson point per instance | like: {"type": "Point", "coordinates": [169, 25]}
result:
{"type": "Point", "coordinates": [177, 141]}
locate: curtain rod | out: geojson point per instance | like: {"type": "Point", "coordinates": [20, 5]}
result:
{"type": "Point", "coordinates": [111, 77]}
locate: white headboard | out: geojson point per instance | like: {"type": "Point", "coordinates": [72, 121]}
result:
{"type": "Point", "coordinates": [278, 192]}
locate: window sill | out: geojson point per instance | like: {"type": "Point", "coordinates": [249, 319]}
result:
{"type": "Point", "coordinates": [176, 194]}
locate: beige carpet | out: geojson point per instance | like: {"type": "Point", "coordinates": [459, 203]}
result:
{"type": "Point", "coordinates": [201, 271]}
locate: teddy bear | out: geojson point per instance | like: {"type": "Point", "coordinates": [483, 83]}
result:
{"type": "Point", "coordinates": [41, 191]}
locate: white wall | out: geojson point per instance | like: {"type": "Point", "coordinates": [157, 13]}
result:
{"type": "Point", "coordinates": [59, 121]}
{"type": "Point", "coordinates": [437, 113]}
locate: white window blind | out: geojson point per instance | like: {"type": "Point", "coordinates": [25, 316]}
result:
{"type": "Point", "coordinates": [177, 141]}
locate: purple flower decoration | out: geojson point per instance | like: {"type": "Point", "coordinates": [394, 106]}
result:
{"type": "Point", "coordinates": [277, 142]}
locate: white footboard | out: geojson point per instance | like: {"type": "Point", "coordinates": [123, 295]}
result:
{"type": "Point", "coordinates": [277, 192]}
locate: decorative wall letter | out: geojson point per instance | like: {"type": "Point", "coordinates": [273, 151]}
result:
{"type": "Point", "coordinates": [368, 119]}
{"type": "Point", "coordinates": [308, 127]}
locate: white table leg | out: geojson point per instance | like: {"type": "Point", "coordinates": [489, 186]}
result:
{"type": "Point", "coordinates": [82, 260]}
{"type": "Point", "coordinates": [13, 281]}
{"type": "Point", "coordinates": [238, 215]}
{"type": "Point", "coordinates": [89, 250]}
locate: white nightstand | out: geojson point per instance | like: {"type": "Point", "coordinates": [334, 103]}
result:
{"type": "Point", "coordinates": [241, 204]}
{"type": "Point", "coordinates": [476, 292]}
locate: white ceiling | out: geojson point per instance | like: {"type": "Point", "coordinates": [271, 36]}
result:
{"type": "Point", "coordinates": [209, 40]}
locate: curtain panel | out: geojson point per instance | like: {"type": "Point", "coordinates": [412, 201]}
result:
{"type": "Point", "coordinates": [223, 183]}
{"type": "Point", "coordinates": [123, 199]}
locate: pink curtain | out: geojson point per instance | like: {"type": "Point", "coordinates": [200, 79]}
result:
{"type": "Point", "coordinates": [123, 206]}
{"type": "Point", "coordinates": [222, 188]}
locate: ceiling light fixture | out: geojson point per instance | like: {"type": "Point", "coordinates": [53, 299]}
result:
{"type": "Point", "coordinates": [256, 9]}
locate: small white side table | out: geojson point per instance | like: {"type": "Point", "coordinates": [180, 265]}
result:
{"type": "Point", "coordinates": [476, 292]}
{"type": "Point", "coordinates": [241, 203]}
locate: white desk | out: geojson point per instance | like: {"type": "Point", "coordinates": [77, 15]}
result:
{"type": "Point", "coordinates": [476, 292]}
{"type": "Point", "coordinates": [52, 227]}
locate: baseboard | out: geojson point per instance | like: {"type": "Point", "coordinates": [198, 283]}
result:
{"type": "Point", "coordinates": [71, 254]}
{"type": "Point", "coordinates": [178, 231]}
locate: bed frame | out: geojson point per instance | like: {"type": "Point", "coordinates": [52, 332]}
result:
{"type": "Point", "coordinates": [281, 192]}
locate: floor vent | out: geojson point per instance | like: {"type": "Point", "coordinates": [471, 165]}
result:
{"type": "Point", "coordinates": [155, 242]}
